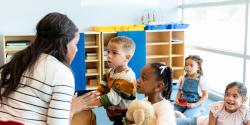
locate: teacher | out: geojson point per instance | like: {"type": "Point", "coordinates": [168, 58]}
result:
{"type": "Point", "coordinates": [37, 85]}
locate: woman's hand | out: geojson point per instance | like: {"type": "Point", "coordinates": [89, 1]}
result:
{"type": "Point", "coordinates": [79, 103]}
{"type": "Point", "coordinates": [192, 105]}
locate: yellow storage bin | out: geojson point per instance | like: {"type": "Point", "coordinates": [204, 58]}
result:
{"type": "Point", "coordinates": [106, 28]}
{"type": "Point", "coordinates": [132, 27]}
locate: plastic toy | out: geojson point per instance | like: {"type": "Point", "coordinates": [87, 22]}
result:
{"type": "Point", "coordinates": [153, 15]}
{"type": "Point", "coordinates": [182, 102]}
{"type": "Point", "coordinates": [142, 20]}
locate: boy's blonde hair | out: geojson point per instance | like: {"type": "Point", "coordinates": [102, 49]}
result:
{"type": "Point", "coordinates": [127, 44]}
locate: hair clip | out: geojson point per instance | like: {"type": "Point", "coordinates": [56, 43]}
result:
{"type": "Point", "coordinates": [163, 68]}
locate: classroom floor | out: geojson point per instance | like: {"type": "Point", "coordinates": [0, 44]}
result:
{"type": "Point", "coordinates": [102, 118]}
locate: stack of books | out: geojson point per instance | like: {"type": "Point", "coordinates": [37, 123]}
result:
{"type": "Point", "coordinates": [17, 44]}
{"type": "Point", "coordinates": [90, 40]}
{"type": "Point", "coordinates": [91, 70]}
{"type": "Point", "coordinates": [105, 53]}
{"type": "Point", "coordinates": [91, 55]}
{"type": "Point", "coordinates": [8, 58]}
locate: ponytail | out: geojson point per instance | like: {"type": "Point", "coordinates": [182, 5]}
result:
{"type": "Point", "coordinates": [166, 76]}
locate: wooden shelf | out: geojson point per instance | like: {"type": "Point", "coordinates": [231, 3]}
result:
{"type": "Point", "coordinates": [157, 43]}
{"type": "Point", "coordinates": [13, 50]}
{"type": "Point", "coordinates": [92, 74]}
{"type": "Point", "coordinates": [177, 55]}
{"type": "Point", "coordinates": [176, 67]}
{"type": "Point", "coordinates": [105, 60]}
{"type": "Point", "coordinates": [157, 56]}
{"type": "Point", "coordinates": [177, 42]}
{"type": "Point", "coordinates": [91, 46]}
{"type": "Point", "coordinates": [92, 60]}
{"type": "Point", "coordinates": [89, 87]}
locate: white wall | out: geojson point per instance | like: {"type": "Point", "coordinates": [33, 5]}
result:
{"type": "Point", "coordinates": [21, 16]}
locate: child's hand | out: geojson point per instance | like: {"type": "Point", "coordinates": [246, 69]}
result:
{"type": "Point", "coordinates": [176, 102]}
{"type": "Point", "coordinates": [192, 105]}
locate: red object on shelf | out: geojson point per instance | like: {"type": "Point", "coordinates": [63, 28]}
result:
{"type": "Point", "coordinates": [182, 102]}
{"type": "Point", "coordinates": [10, 123]}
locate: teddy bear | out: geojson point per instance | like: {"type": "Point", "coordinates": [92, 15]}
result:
{"type": "Point", "coordinates": [141, 112]}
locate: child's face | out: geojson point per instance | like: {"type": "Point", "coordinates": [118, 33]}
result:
{"type": "Point", "coordinates": [116, 55]}
{"type": "Point", "coordinates": [191, 67]}
{"type": "Point", "coordinates": [233, 100]}
{"type": "Point", "coordinates": [147, 81]}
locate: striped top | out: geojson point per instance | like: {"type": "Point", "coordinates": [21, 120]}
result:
{"type": "Point", "coordinates": [119, 91]}
{"type": "Point", "coordinates": [46, 96]}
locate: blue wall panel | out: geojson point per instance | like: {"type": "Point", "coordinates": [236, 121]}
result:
{"type": "Point", "coordinates": [139, 58]}
{"type": "Point", "coordinates": [78, 65]}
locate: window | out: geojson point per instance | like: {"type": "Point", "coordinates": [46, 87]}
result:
{"type": "Point", "coordinates": [219, 69]}
{"type": "Point", "coordinates": [217, 32]}
{"type": "Point", "coordinates": [220, 27]}
{"type": "Point", "coordinates": [200, 1]}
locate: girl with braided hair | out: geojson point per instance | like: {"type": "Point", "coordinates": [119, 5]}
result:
{"type": "Point", "coordinates": [156, 78]}
{"type": "Point", "coordinates": [193, 87]}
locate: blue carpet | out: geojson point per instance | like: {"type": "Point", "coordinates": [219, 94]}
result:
{"type": "Point", "coordinates": [102, 118]}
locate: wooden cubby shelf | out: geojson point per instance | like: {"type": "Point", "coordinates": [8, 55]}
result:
{"type": "Point", "coordinates": [159, 47]}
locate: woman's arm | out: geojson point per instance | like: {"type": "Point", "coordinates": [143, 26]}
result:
{"type": "Point", "coordinates": [79, 104]}
{"type": "Point", "coordinates": [178, 96]}
{"type": "Point", "coordinates": [212, 119]}
{"type": "Point", "coordinates": [202, 100]}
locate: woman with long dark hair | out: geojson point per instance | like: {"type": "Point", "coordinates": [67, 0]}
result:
{"type": "Point", "coordinates": [37, 85]}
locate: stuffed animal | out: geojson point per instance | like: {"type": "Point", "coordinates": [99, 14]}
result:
{"type": "Point", "coordinates": [141, 113]}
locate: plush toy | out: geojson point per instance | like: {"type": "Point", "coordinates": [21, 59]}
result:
{"type": "Point", "coordinates": [141, 113]}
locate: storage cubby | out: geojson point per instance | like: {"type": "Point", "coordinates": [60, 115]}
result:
{"type": "Point", "coordinates": [93, 63]}
{"type": "Point", "coordinates": [177, 50]}
{"type": "Point", "coordinates": [165, 60]}
{"type": "Point", "coordinates": [157, 37]}
{"type": "Point", "coordinates": [106, 37]}
{"type": "Point", "coordinates": [177, 62]}
{"type": "Point", "coordinates": [177, 74]}
{"type": "Point", "coordinates": [92, 82]}
{"type": "Point", "coordinates": [179, 34]}
{"type": "Point", "coordinates": [157, 51]}
{"type": "Point", "coordinates": [15, 38]}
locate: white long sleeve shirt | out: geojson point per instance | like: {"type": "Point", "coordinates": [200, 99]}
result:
{"type": "Point", "coordinates": [46, 96]}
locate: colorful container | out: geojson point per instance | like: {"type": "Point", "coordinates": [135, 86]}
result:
{"type": "Point", "coordinates": [153, 27]}
{"type": "Point", "coordinates": [132, 27]}
{"type": "Point", "coordinates": [177, 26]}
{"type": "Point", "coordinates": [106, 28]}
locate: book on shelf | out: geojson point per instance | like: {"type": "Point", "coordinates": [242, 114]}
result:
{"type": "Point", "coordinates": [91, 70]}
{"type": "Point", "coordinates": [104, 57]}
{"type": "Point", "coordinates": [91, 57]}
{"type": "Point", "coordinates": [17, 43]}
{"type": "Point", "coordinates": [16, 47]}
{"type": "Point", "coordinates": [89, 43]}
{"type": "Point", "coordinates": [91, 54]}
{"type": "Point", "coordinates": [105, 53]}
{"type": "Point", "coordinates": [8, 58]}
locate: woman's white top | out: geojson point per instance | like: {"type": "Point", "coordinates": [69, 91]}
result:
{"type": "Point", "coordinates": [43, 97]}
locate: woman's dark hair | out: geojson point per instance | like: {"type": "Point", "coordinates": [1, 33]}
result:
{"type": "Point", "coordinates": [241, 88]}
{"type": "Point", "coordinates": [166, 76]}
{"type": "Point", "coordinates": [199, 61]}
{"type": "Point", "coordinates": [54, 32]}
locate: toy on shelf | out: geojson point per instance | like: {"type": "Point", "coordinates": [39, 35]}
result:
{"type": "Point", "coordinates": [142, 20]}
{"type": "Point", "coordinates": [153, 15]}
